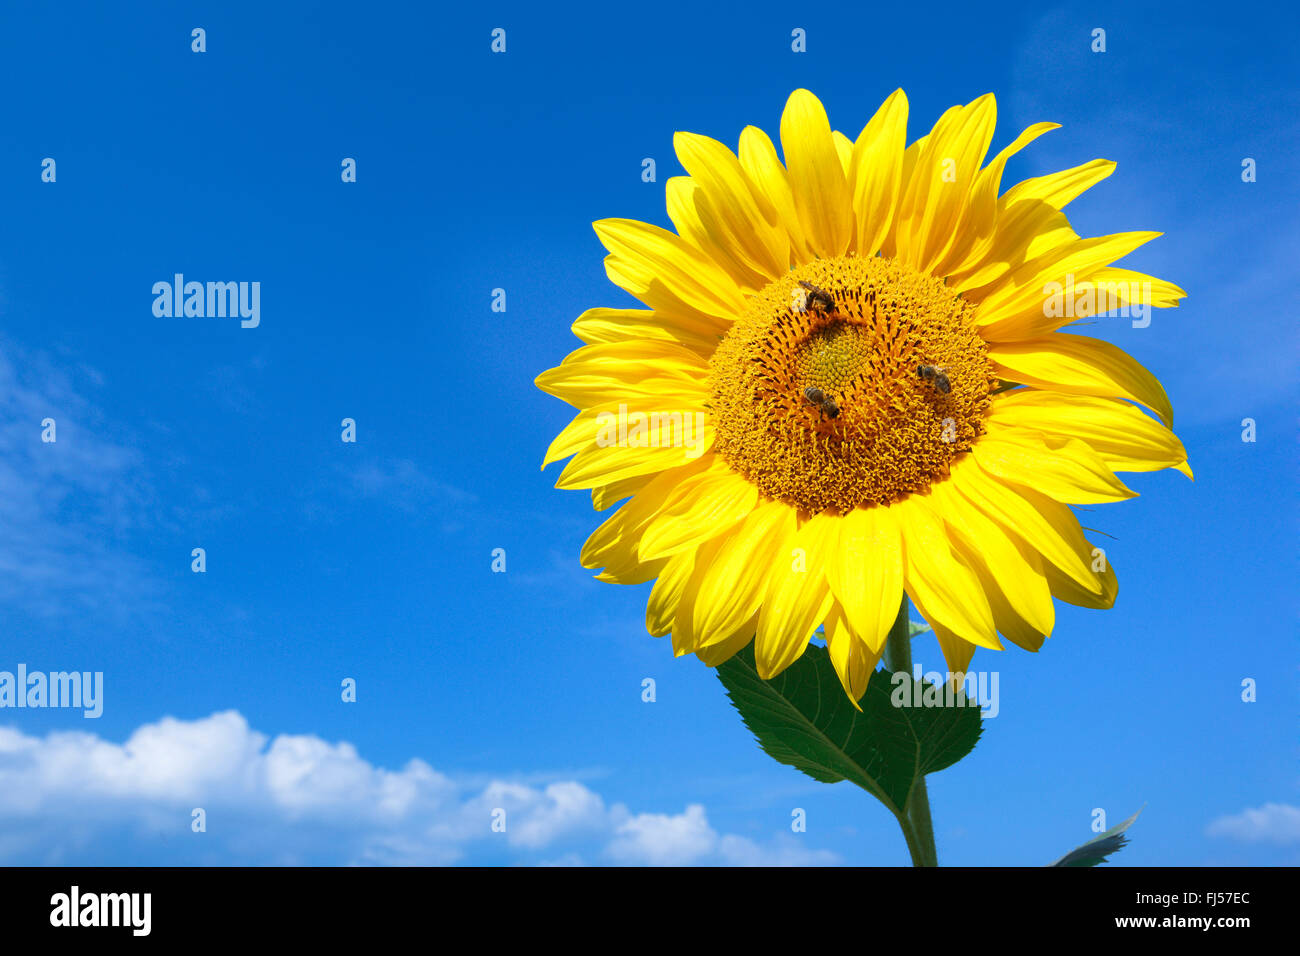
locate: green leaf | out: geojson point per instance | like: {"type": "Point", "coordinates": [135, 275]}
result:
{"type": "Point", "coordinates": [1099, 847]}
{"type": "Point", "coordinates": [916, 627]}
{"type": "Point", "coordinates": [803, 718]}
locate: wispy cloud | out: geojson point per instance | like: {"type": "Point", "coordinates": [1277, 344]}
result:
{"type": "Point", "coordinates": [235, 385]}
{"type": "Point", "coordinates": [65, 505]}
{"type": "Point", "coordinates": [406, 485]}
{"type": "Point", "coordinates": [298, 798]}
{"type": "Point", "coordinates": [400, 484]}
{"type": "Point", "coordinates": [1272, 823]}
{"type": "Point", "coordinates": [1224, 347]}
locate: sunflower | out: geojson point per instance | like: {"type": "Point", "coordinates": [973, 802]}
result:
{"type": "Point", "coordinates": [850, 385]}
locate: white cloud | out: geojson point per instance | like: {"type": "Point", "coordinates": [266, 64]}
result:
{"type": "Point", "coordinates": [784, 850]}
{"type": "Point", "coordinates": [662, 840]}
{"type": "Point", "coordinates": [687, 839]}
{"type": "Point", "coordinates": [298, 798]}
{"type": "Point", "coordinates": [1271, 823]}
{"type": "Point", "coordinates": [559, 810]}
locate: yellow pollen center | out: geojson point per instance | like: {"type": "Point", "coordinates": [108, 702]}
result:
{"type": "Point", "coordinates": [820, 404]}
{"type": "Point", "coordinates": [833, 355]}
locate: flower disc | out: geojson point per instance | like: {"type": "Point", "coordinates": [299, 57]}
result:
{"type": "Point", "coordinates": [887, 431]}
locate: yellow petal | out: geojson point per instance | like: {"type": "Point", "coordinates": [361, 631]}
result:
{"type": "Point", "coordinates": [1029, 223]}
{"type": "Point", "coordinates": [973, 238]}
{"type": "Point", "coordinates": [615, 543]}
{"type": "Point", "coordinates": [843, 149]}
{"type": "Point", "coordinates": [1057, 190]}
{"type": "Point", "coordinates": [865, 572]}
{"type": "Point", "coordinates": [696, 331]}
{"type": "Point", "coordinates": [1044, 525]}
{"type": "Point", "coordinates": [699, 224]}
{"type": "Point", "coordinates": [911, 155]}
{"type": "Point", "coordinates": [606, 496]}
{"type": "Point", "coordinates": [1079, 365]}
{"type": "Point", "coordinates": [957, 653]}
{"type": "Point", "coordinates": [666, 595]}
{"type": "Point", "coordinates": [621, 531]}
{"type": "Point", "coordinates": [685, 639]}
{"type": "Point", "coordinates": [573, 438]}
{"type": "Point", "coordinates": [1123, 437]}
{"type": "Point", "coordinates": [716, 654]}
{"type": "Point", "coordinates": [1100, 576]}
{"type": "Point", "coordinates": [1011, 575]}
{"type": "Point", "coordinates": [1117, 289]}
{"type": "Point", "coordinates": [1062, 468]}
{"type": "Point", "coordinates": [649, 354]}
{"type": "Point", "coordinates": [642, 255]}
{"type": "Point", "coordinates": [1011, 622]}
{"type": "Point", "coordinates": [943, 588]}
{"type": "Point", "coordinates": [725, 592]}
{"type": "Point", "coordinates": [797, 599]}
{"type": "Point", "coordinates": [821, 192]}
{"type": "Point", "coordinates": [668, 383]}
{"type": "Point", "coordinates": [746, 221]}
{"type": "Point", "coordinates": [1067, 589]}
{"type": "Point", "coordinates": [852, 659]}
{"type": "Point", "coordinates": [701, 507]}
{"type": "Point", "coordinates": [604, 424]}
{"type": "Point", "coordinates": [760, 162]}
{"type": "Point", "coordinates": [939, 190]}
{"type": "Point", "coordinates": [603, 465]}
{"type": "Point", "coordinates": [1024, 305]}
{"type": "Point", "coordinates": [876, 170]}
{"type": "Point", "coordinates": [626, 569]}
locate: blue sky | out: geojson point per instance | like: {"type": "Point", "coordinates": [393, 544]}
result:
{"type": "Point", "coordinates": [372, 560]}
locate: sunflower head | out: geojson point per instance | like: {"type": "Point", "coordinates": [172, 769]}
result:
{"type": "Point", "coordinates": [849, 385]}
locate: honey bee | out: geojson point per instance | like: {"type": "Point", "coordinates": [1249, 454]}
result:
{"type": "Point", "coordinates": [936, 376]}
{"type": "Point", "coordinates": [823, 401]}
{"type": "Point", "coordinates": [817, 299]}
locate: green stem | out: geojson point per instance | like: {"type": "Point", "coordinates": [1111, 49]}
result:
{"type": "Point", "coordinates": [920, 841]}
{"type": "Point", "coordinates": [909, 836]}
